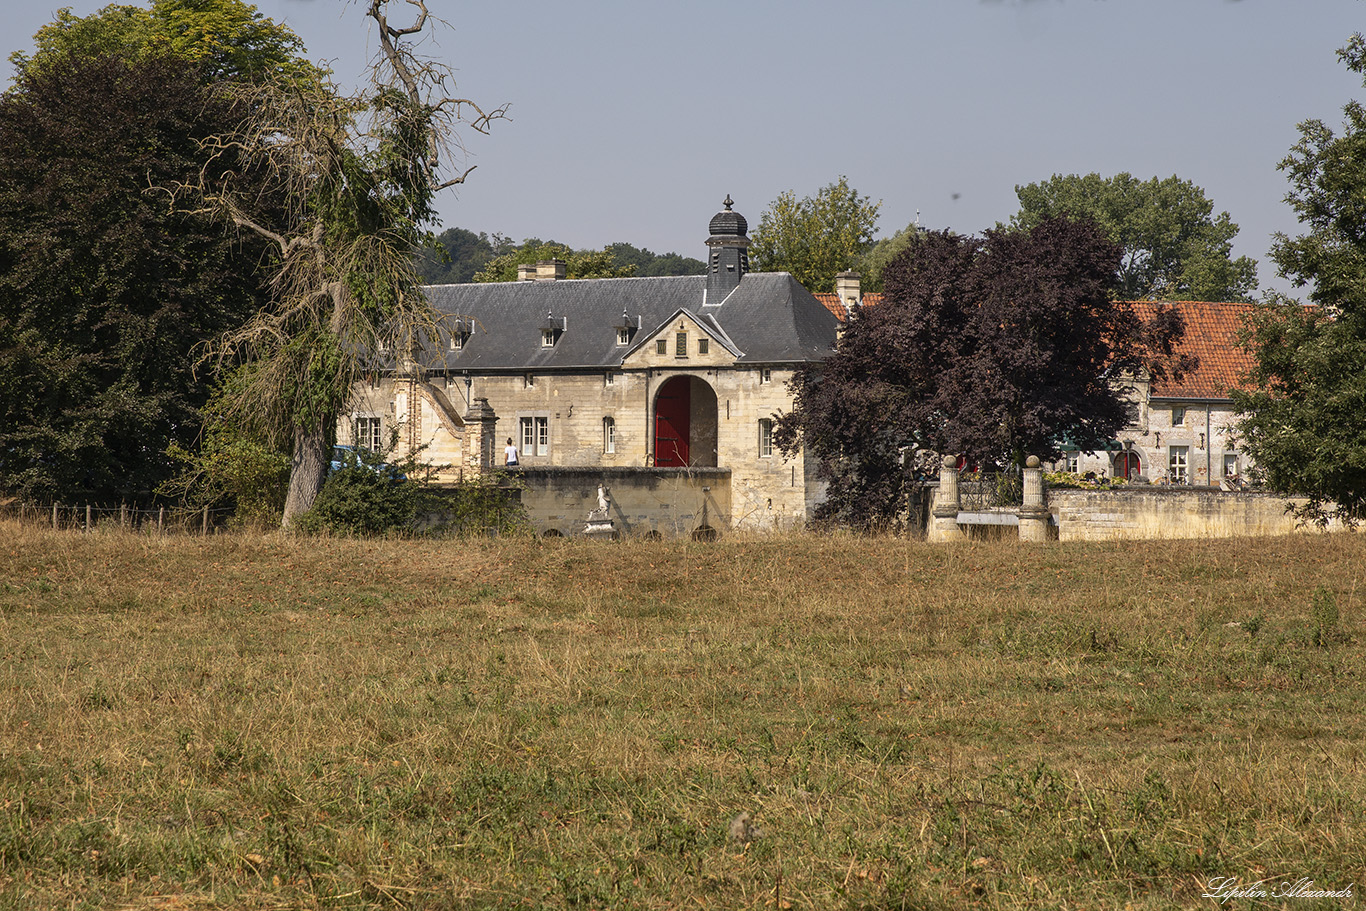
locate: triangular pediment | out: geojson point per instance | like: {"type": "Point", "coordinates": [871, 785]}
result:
{"type": "Point", "coordinates": [678, 342]}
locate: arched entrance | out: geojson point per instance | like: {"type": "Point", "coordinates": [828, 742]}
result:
{"type": "Point", "coordinates": [685, 424]}
{"type": "Point", "coordinates": [1127, 465]}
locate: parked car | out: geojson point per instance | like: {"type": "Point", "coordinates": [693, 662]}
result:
{"type": "Point", "coordinates": [356, 457]}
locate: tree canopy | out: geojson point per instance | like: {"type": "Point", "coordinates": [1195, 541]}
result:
{"type": "Point", "coordinates": [226, 39]}
{"type": "Point", "coordinates": [817, 237]}
{"type": "Point", "coordinates": [994, 348]}
{"type": "Point", "coordinates": [1174, 248]}
{"type": "Point", "coordinates": [1303, 423]}
{"type": "Point", "coordinates": [105, 292]}
{"type": "Point", "coordinates": [578, 263]}
{"type": "Point", "coordinates": [648, 263]}
{"type": "Point", "coordinates": [460, 255]}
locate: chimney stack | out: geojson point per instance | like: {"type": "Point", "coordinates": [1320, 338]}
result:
{"type": "Point", "coordinates": [847, 289]}
{"type": "Point", "coordinates": [550, 270]}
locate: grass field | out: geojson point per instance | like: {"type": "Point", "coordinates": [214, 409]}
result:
{"type": "Point", "coordinates": [265, 722]}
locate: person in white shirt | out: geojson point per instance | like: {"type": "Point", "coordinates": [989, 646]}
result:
{"type": "Point", "coordinates": [510, 453]}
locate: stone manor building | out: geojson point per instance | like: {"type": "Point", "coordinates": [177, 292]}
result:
{"type": "Point", "coordinates": [640, 373]}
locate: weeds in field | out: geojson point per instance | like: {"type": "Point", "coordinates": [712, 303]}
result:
{"type": "Point", "coordinates": [264, 722]}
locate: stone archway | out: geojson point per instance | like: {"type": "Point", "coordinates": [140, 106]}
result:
{"type": "Point", "coordinates": [1127, 465]}
{"type": "Point", "coordinates": [685, 424]}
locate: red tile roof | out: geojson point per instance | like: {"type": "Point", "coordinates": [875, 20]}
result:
{"type": "Point", "coordinates": [1211, 336]}
{"type": "Point", "coordinates": [832, 302]}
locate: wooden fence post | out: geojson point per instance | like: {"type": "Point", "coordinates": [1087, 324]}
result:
{"type": "Point", "coordinates": [87, 517]}
{"type": "Point", "coordinates": [161, 519]}
{"type": "Point", "coordinates": [54, 516]}
{"type": "Point", "coordinates": [206, 520]}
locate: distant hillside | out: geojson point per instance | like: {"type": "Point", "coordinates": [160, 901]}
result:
{"type": "Point", "coordinates": [463, 253]}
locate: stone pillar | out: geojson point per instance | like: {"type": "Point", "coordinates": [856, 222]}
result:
{"type": "Point", "coordinates": [944, 515]}
{"type": "Point", "coordinates": [1033, 514]}
{"type": "Point", "coordinates": [481, 423]}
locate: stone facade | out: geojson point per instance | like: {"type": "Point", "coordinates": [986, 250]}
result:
{"type": "Point", "coordinates": [615, 374]}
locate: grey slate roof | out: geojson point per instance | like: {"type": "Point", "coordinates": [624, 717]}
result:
{"type": "Point", "coordinates": [770, 319]}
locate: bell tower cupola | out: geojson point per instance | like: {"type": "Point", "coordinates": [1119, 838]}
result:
{"type": "Point", "coordinates": [727, 253]}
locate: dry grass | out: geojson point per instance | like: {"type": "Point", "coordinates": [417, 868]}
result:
{"type": "Point", "coordinates": [261, 722]}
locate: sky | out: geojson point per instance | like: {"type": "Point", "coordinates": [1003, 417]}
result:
{"type": "Point", "coordinates": [631, 120]}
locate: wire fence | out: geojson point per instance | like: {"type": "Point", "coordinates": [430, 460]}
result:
{"type": "Point", "coordinates": [154, 519]}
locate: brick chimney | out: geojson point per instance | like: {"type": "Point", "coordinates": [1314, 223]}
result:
{"type": "Point", "coordinates": [526, 272]}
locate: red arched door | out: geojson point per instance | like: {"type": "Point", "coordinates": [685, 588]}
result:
{"type": "Point", "coordinates": [1127, 465]}
{"type": "Point", "coordinates": [673, 406]}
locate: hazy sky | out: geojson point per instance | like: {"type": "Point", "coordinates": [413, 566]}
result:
{"type": "Point", "coordinates": [631, 120]}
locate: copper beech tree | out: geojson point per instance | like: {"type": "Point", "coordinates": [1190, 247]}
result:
{"type": "Point", "coordinates": [994, 347]}
{"type": "Point", "coordinates": [356, 177]}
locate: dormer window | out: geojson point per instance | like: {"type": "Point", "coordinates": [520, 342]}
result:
{"type": "Point", "coordinates": [626, 328]}
{"type": "Point", "coordinates": [460, 333]}
{"type": "Point", "coordinates": [551, 329]}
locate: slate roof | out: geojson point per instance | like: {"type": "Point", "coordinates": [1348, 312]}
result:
{"type": "Point", "coordinates": [1211, 336]}
{"type": "Point", "coordinates": [770, 319]}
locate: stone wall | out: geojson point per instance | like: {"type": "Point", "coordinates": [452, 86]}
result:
{"type": "Point", "coordinates": [670, 501]}
{"type": "Point", "coordinates": [1166, 512]}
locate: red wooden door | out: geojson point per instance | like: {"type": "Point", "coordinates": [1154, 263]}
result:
{"type": "Point", "coordinates": [672, 407]}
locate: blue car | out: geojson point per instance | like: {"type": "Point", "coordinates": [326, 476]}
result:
{"type": "Point", "coordinates": [355, 457]}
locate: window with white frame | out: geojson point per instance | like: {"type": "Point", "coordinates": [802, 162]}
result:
{"type": "Point", "coordinates": [609, 379]}
{"type": "Point", "coordinates": [1230, 464]}
{"type": "Point", "coordinates": [547, 338]}
{"type": "Point", "coordinates": [623, 336]}
{"type": "Point", "coordinates": [609, 435]}
{"type": "Point", "coordinates": [1178, 415]}
{"type": "Point", "coordinates": [1178, 464]}
{"type": "Point", "coordinates": [765, 437]}
{"type": "Point", "coordinates": [368, 434]}
{"type": "Point", "coordinates": [765, 375]}
{"type": "Point", "coordinates": [535, 436]}
{"type": "Point", "coordinates": [1071, 461]}
{"type": "Point", "coordinates": [528, 380]}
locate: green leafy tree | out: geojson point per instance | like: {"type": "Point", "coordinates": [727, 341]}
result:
{"type": "Point", "coordinates": [651, 264]}
{"type": "Point", "coordinates": [1303, 423]}
{"type": "Point", "coordinates": [874, 262]}
{"type": "Point", "coordinates": [456, 256]}
{"type": "Point", "coordinates": [225, 39]}
{"type": "Point", "coordinates": [105, 292]}
{"type": "Point", "coordinates": [578, 263]}
{"type": "Point", "coordinates": [1174, 247]}
{"type": "Point", "coordinates": [817, 237]}
{"type": "Point", "coordinates": [358, 176]}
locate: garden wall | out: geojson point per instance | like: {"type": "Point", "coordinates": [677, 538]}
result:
{"type": "Point", "coordinates": [669, 501]}
{"type": "Point", "coordinates": [1166, 512]}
